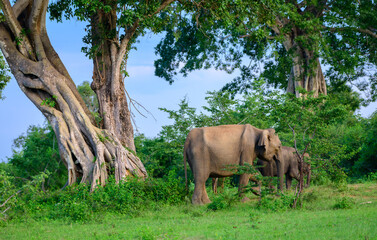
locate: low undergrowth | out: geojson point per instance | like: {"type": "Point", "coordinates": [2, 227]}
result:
{"type": "Point", "coordinates": [316, 219]}
{"type": "Point", "coordinates": [161, 209]}
{"type": "Point", "coordinates": [77, 204]}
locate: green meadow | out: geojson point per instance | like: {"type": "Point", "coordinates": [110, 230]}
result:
{"type": "Point", "coordinates": [326, 213]}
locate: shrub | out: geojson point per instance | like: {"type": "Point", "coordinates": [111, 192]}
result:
{"type": "Point", "coordinates": [344, 203]}
{"type": "Point", "coordinates": [218, 204]}
{"type": "Point", "coordinates": [372, 177]}
{"type": "Point", "coordinates": [276, 204]}
{"type": "Point", "coordinates": [76, 203]}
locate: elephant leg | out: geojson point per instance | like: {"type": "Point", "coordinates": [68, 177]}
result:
{"type": "Point", "coordinates": [221, 183]}
{"type": "Point", "coordinates": [280, 170]}
{"type": "Point", "coordinates": [244, 180]}
{"type": "Point", "coordinates": [214, 185]}
{"type": "Point", "coordinates": [288, 181]}
{"type": "Point", "coordinates": [200, 195]}
{"type": "Point", "coordinates": [269, 173]}
{"type": "Point", "coordinates": [205, 198]}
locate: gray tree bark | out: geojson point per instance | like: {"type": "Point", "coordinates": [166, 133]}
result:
{"type": "Point", "coordinates": [90, 153]}
{"type": "Point", "coordinates": [306, 72]}
{"type": "Point", "coordinates": [108, 81]}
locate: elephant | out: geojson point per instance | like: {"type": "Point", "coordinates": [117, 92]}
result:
{"type": "Point", "coordinates": [210, 150]}
{"type": "Point", "coordinates": [289, 162]}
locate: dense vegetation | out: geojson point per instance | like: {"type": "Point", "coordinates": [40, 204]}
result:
{"type": "Point", "coordinates": [288, 41]}
{"type": "Point", "coordinates": [341, 145]}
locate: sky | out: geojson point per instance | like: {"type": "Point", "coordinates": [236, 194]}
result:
{"type": "Point", "coordinates": [18, 113]}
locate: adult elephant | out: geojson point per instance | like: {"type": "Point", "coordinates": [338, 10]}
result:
{"type": "Point", "coordinates": [289, 167]}
{"type": "Point", "coordinates": [211, 150]}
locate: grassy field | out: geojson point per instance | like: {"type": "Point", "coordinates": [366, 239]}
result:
{"type": "Point", "coordinates": [317, 220]}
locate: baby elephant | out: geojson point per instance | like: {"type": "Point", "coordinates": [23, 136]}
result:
{"type": "Point", "coordinates": [289, 161]}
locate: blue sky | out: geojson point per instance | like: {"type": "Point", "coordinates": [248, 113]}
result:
{"type": "Point", "coordinates": [18, 113]}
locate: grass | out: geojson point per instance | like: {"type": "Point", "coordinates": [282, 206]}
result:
{"type": "Point", "coordinates": [316, 220]}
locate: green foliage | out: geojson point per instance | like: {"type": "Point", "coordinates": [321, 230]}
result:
{"type": "Point", "coordinates": [89, 96]}
{"type": "Point", "coordinates": [101, 138]}
{"type": "Point", "coordinates": [344, 203]}
{"type": "Point", "coordinates": [217, 204]}
{"type": "Point", "coordinates": [372, 177]}
{"type": "Point", "coordinates": [223, 201]}
{"type": "Point", "coordinates": [328, 125]}
{"type": "Point", "coordinates": [145, 15]}
{"type": "Point", "coordinates": [90, 100]}
{"type": "Point", "coordinates": [4, 77]}
{"type": "Point", "coordinates": [11, 202]}
{"type": "Point", "coordinates": [51, 102]}
{"type": "Point", "coordinates": [266, 38]}
{"type": "Point", "coordinates": [7, 192]}
{"type": "Point", "coordinates": [37, 152]}
{"type": "Point", "coordinates": [276, 204]}
{"type": "Point", "coordinates": [241, 221]}
{"type": "Point", "coordinates": [76, 203]}
{"type": "Point", "coordinates": [160, 155]}
{"type": "Point", "coordinates": [368, 157]}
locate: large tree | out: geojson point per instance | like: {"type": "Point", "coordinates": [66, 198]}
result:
{"type": "Point", "coordinates": [4, 77]}
{"type": "Point", "coordinates": [283, 41]}
{"type": "Point", "coordinates": [91, 152]}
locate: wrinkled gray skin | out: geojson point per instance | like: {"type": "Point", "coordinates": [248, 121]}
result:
{"type": "Point", "coordinates": [210, 150]}
{"type": "Point", "coordinates": [289, 162]}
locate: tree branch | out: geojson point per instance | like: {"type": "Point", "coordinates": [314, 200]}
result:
{"type": "Point", "coordinates": [36, 25]}
{"type": "Point", "coordinates": [123, 44]}
{"type": "Point", "coordinates": [11, 19]}
{"type": "Point", "coordinates": [163, 5]}
{"type": "Point", "coordinates": [20, 6]}
{"type": "Point", "coordinates": [14, 194]}
{"type": "Point", "coordinates": [16, 60]}
{"type": "Point", "coordinates": [360, 30]}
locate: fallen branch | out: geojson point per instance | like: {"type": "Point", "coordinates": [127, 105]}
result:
{"type": "Point", "coordinates": [2, 205]}
{"type": "Point", "coordinates": [5, 210]}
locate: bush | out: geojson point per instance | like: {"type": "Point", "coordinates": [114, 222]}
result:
{"type": "Point", "coordinates": [76, 203]}
{"type": "Point", "coordinates": [276, 204]}
{"type": "Point", "coordinates": [344, 203]}
{"type": "Point", "coordinates": [217, 204]}
{"type": "Point", "coordinates": [372, 177]}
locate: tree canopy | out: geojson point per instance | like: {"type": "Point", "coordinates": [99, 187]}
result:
{"type": "Point", "coordinates": [286, 42]}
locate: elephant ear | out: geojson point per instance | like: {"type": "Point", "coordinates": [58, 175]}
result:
{"type": "Point", "coordinates": [263, 139]}
{"type": "Point", "coordinates": [271, 131]}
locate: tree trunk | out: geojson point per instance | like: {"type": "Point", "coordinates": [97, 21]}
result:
{"type": "Point", "coordinates": [305, 77]}
{"type": "Point", "coordinates": [107, 77]}
{"type": "Point", "coordinates": [306, 71]}
{"type": "Point", "coordinates": [91, 154]}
